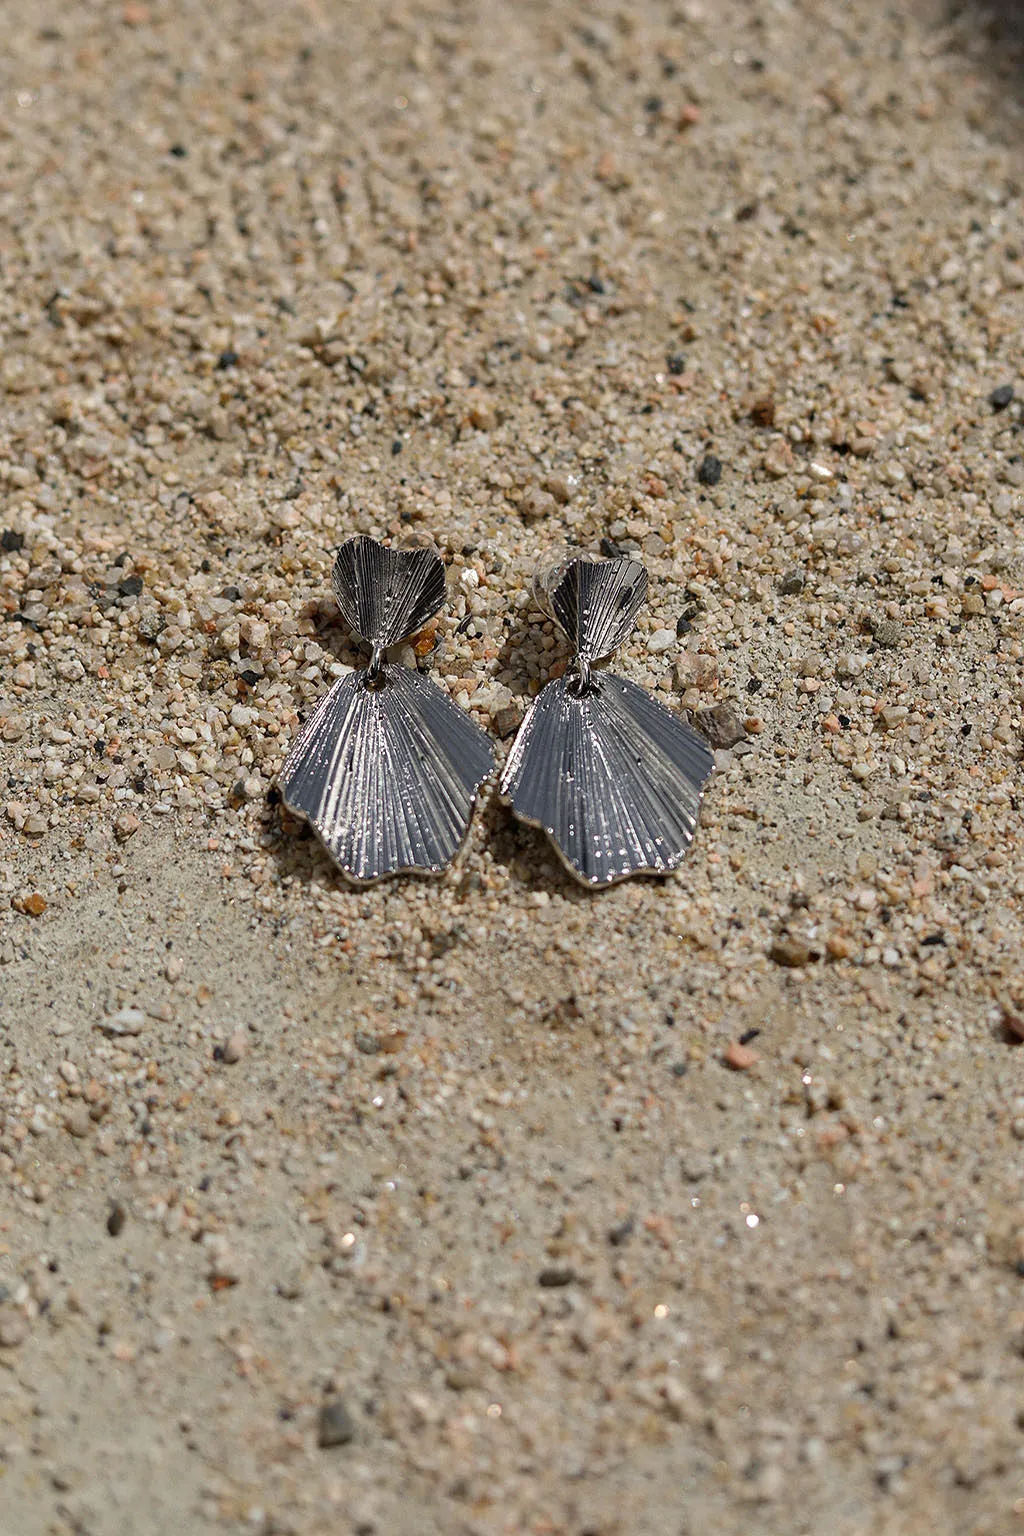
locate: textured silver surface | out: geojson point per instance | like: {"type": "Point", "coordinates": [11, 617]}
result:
{"type": "Point", "coordinates": [387, 768]}
{"type": "Point", "coordinates": [612, 776]}
{"type": "Point", "coordinates": [387, 774]}
{"type": "Point", "coordinates": [385, 594]}
{"type": "Point", "coordinates": [594, 601]}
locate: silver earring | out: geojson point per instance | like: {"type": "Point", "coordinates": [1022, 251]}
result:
{"type": "Point", "coordinates": [387, 769]}
{"type": "Point", "coordinates": [611, 775]}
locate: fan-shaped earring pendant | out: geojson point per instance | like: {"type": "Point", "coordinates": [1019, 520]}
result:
{"type": "Point", "coordinates": [387, 769]}
{"type": "Point", "coordinates": [612, 776]}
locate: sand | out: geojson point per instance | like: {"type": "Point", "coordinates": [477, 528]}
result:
{"type": "Point", "coordinates": [488, 1205]}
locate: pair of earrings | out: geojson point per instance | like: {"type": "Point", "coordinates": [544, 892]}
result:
{"type": "Point", "coordinates": [387, 769]}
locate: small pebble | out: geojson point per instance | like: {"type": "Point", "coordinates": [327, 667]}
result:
{"type": "Point", "coordinates": [622, 1232]}
{"type": "Point", "coordinates": [721, 726]}
{"type": "Point", "coordinates": [887, 633]}
{"type": "Point", "coordinates": [127, 1021]}
{"type": "Point", "coordinates": [507, 722]}
{"type": "Point", "coordinates": [778, 460]}
{"type": "Point", "coordinates": [739, 1057]}
{"type": "Point", "coordinates": [1013, 1022]}
{"type": "Point", "coordinates": [661, 640]}
{"type": "Point", "coordinates": [556, 1275]}
{"type": "Point", "coordinates": [235, 1046]}
{"type": "Point", "coordinates": [1001, 397]}
{"type": "Point", "coordinates": [558, 486]}
{"type": "Point", "coordinates": [791, 952]}
{"type": "Point", "coordinates": [762, 411]}
{"type": "Point", "coordinates": [78, 1121]}
{"type": "Point", "coordinates": [126, 826]}
{"type": "Point", "coordinates": [335, 1425]}
{"type": "Point", "coordinates": [537, 504]}
{"type": "Point", "coordinates": [13, 1328]}
{"type": "Point", "coordinates": [710, 470]}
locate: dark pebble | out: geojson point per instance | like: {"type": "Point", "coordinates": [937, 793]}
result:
{"type": "Point", "coordinates": [396, 447]}
{"type": "Point", "coordinates": [335, 1425]}
{"type": "Point", "coordinates": [622, 1232]}
{"type": "Point", "coordinates": [556, 1275]}
{"type": "Point", "coordinates": [676, 363]}
{"type": "Point", "coordinates": [1000, 397]}
{"type": "Point", "coordinates": [720, 726]}
{"type": "Point", "coordinates": [227, 359]}
{"type": "Point", "coordinates": [680, 1068]}
{"type": "Point", "coordinates": [887, 632]}
{"type": "Point", "coordinates": [610, 549]}
{"type": "Point", "coordinates": [116, 1219]}
{"type": "Point", "coordinates": [236, 794]}
{"type": "Point", "coordinates": [11, 542]}
{"type": "Point", "coordinates": [150, 626]}
{"type": "Point", "coordinates": [791, 584]}
{"type": "Point", "coordinates": [508, 721]}
{"type": "Point", "coordinates": [793, 953]}
{"type": "Point", "coordinates": [1013, 1029]}
{"type": "Point", "coordinates": [131, 586]}
{"type": "Point", "coordinates": [762, 412]}
{"type": "Point", "coordinates": [710, 471]}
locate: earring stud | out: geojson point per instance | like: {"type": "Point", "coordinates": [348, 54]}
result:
{"type": "Point", "coordinates": [612, 776]}
{"type": "Point", "coordinates": [387, 769]}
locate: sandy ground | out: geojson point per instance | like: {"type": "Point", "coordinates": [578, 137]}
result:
{"type": "Point", "coordinates": [438, 1209]}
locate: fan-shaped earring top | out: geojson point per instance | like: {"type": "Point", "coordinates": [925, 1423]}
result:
{"type": "Point", "coordinates": [386, 594]}
{"type": "Point", "coordinates": [612, 776]}
{"type": "Point", "coordinates": [387, 769]}
{"type": "Point", "coordinates": [594, 602]}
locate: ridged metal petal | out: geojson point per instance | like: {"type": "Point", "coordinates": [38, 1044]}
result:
{"type": "Point", "coordinates": [612, 776]}
{"type": "Point", "coordinates": [385, 594]}
{"type": "Point", "coordinates": [594, 601]}
{"type": "Point", "coordinates": [387, 775]}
